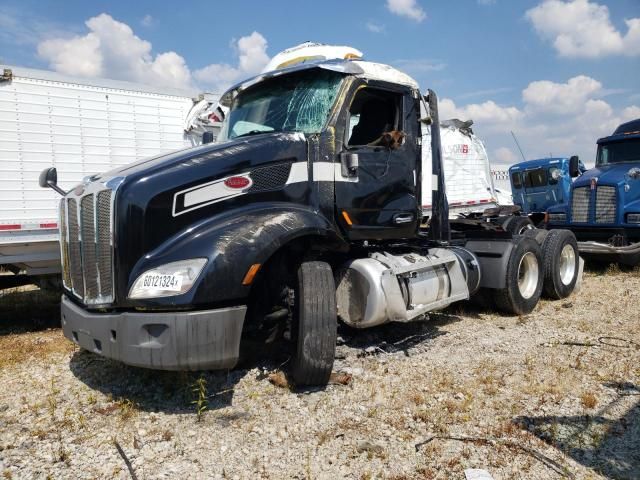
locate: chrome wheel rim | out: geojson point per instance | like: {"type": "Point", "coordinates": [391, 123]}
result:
{"type": "Point", "coordinates": [567, 264]}
{"type": "Point", "coordinates": [528, 273]}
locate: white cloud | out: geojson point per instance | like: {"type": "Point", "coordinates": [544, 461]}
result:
{"type": "Point", "coordinates": [580, 28]}
{"type": "Point", "coordinates": [504, 156]}
{"type": "Point", "coordinates": [489, 113]}
{"type": "Point", "coordinates": [252, 58]}
{"type": "Point", "coordinates": [112, 50]}
{"type": "Point", "coordinates": [569, 97]}
{"type": "Point", "coordinates": [407, 8]}
{"type": "Point", "coordinates": [375, 27]}
{"type": "Point", "coordinates": [74, 56]}
{"type": "Point", "coordinates": [556, 118]}
{"type": "Point", "coordinates": [147, 21]}
{"type": "Point", "coordinates": [630, 113]}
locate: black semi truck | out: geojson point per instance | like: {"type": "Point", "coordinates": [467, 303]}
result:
{"type": "Point", "coordinates": [306, 211]}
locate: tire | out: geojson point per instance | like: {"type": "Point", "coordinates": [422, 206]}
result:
{"type": "Point", "coordinates": [561, 264]}
{"type": "Point", "coordinates": [315, 325]}
{"type": "Point", "coordinates": [517, 225]}
{"type": "Point", "coordinates": [524, 278]}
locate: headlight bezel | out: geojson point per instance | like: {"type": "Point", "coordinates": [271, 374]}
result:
{"type": "Point", "coordinates": [188, 270]}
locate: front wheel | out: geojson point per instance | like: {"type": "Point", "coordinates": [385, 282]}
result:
{"type": "Point", "coordinates": [315, 324]}
{"type": "Point", "coordinates": [524, 276]}
{"type": "Point", "coordinates": [561, 263]}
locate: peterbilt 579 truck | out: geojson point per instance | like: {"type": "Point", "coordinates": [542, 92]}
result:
{"type": "Point", "coordinates": [307, 210]}
{"type": "Point", "coordinates": [603, 208]}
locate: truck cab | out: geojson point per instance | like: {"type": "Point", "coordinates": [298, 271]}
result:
{"type": "Point", "coordinates": [603, 208]}
{"type": "Point", "coordinates": [539, 184]}
{"type": "Point", "coordinates": [306, 210]}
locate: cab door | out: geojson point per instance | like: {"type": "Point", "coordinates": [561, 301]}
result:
{"type": "Point", "coordinates": [376, 184]}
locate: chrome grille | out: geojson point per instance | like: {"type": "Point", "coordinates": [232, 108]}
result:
{"type": "Point", "coordinates": [103, 249]}
{"type": "Point", "coordinates": [86, 247]}
{"type": "Point", "coordinates": [580, 204]}
{"type": "Point", "coordinates": [75, 260]}
{"type": "Point", "coordinates": [605, 204]}
{"type": "Point", "coordinates": [64, 253]}
{"type": "Point", "coordinates": [88, 228]}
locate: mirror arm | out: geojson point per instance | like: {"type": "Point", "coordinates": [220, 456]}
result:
{"type": "Point", "coordinates": [56, 188]}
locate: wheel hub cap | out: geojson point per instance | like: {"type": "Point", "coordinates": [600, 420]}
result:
{"type": "Point", "coordinates": [567, 264]}
{"type": "Point", "coordinates": [528, 272]}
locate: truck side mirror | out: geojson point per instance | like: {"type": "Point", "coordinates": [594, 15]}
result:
{"type": "Point", "coordinates": [49, 179]}
{"type": "Point", "coordinates": [574, 169]}
{"type": "Point", "coordinates": [207, 137]}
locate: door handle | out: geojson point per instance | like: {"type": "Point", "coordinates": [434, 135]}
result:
{"type": "Point", "coordinates": [349, 163]}
{"type": "Point", "coordinates": [400, 218]}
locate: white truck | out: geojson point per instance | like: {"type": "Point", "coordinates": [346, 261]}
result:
{"type": "Point", "coordinates": [81, 126]}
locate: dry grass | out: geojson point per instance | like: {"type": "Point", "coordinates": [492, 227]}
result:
{"type": "Point", "coordinates": [17, 348]}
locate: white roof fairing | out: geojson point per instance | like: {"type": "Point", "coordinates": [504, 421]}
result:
{"type": "Point", "coordinates": [357, 68]}
{"type": "Point", "coordinates": [380, 71]}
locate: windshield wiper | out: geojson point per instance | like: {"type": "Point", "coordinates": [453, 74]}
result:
{"type": "Point", "coordinates": [254, 132]}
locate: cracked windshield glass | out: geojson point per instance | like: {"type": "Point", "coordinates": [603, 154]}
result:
{"type": "Point", "coordinates": [299, 102]}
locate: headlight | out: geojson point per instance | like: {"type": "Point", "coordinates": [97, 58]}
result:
{"type": "Point", "coordinates": [557, 217]}
{"type": "Point", "coordinates": [167, 280]}
{"type": "Point", "coordinates": [634, 172]}
{"type": "Point", "coordinates": [633, 217]}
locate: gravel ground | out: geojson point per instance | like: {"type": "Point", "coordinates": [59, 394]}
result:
{"type": "Point", "coordinates": [542, 396]}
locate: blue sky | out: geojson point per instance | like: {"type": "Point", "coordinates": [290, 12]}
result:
{"type": "Point", "coordinates": [560, 73]}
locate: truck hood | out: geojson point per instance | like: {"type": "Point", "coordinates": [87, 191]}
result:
{"type": "Point", "coordinates": [150, 206]}
{"type": "Point", "coordinates": [612, 174]}
{"type": "Point", "coordinates": [220, 156]}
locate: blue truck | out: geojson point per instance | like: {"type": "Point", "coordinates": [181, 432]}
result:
{"type": "Point", "coordinates": [602, 205]}
{"type": "Point", "coordinates": [537, 185]}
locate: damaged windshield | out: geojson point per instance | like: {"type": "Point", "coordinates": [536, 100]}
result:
{"type": "Point", "coordinates": [299, 102]}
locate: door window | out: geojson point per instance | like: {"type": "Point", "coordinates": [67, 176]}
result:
{"type": "Point", "coordinates": [516, 180]}
{"type": "Point", "coordinates": [372, 113]}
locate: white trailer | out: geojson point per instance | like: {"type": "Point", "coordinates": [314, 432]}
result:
{"type": "Point", "coordinates": [468, 177]}
{"type": "Point", "coordinates": [82, 127]}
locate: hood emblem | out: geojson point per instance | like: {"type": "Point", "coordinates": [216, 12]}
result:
{"type": "Point", "coordinates": [594, 183]}
{"type": "Point", "coordinates": [79, 190]}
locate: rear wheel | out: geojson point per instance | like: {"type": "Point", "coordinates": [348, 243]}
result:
{"type": "Point", "coordinates": [561, 263]}
{"type": "Point", "coordinates": [315, 324]}
{"type": "Point", "coordinates": [517, 225]}
{"type": "Point", "coordinates": [524, 278]}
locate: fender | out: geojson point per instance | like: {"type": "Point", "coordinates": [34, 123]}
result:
{"type": "Point", "coordinates": [231, 245]}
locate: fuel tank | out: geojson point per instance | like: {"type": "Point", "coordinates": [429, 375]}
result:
{"type": "Point", "coordinates": [401, 287]}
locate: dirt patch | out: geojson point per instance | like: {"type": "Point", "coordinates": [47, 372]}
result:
{"type": "Point", "coordinates": [553, 394]}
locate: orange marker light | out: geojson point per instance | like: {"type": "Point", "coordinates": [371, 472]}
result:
{"type": "Point", "coordinates": [251, 273]}
{"type": "Point", "coordinates": [346, 217]}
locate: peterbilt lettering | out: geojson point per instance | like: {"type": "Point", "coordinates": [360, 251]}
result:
{"type": "Point", "coordinates": [295, 220]}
